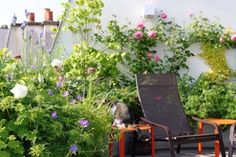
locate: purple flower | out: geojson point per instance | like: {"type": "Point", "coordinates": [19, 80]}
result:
{"type": "Point", "coordinates": [79, 98]}
{"type": "Point", "coordinates": [72, 101]}
{"type": "Point", "coordinates": [59, 84]}
{"type": "Point", "coordinates": [84, 122]}
{"type": "Point", "coordinates": [33, 66]}
{"type": "Point", "coordinates": [24, 24]}
{"type": "Point", "coordinates": [73, 148]}
{"type": "Point", "coordinates": [26, 13]}
{"type": "Point", "coordinates": [41, 35]}
{"type": "Point", "coordinates": [50, 93]}
{"type": "Point", "coordinates": [14, 19]}
{"type": "Point", "coordinates": [54, 115]}
{"type": "Point", "coordinates": [65, 94]}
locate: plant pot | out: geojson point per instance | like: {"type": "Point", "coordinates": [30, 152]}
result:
{"type": "Point", "coordinates": [31, 17]}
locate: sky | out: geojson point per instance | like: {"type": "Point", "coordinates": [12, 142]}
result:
{"type": "Point", "coordinates": [9, 7]}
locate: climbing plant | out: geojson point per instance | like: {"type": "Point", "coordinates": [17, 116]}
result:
{"type": "Point", "coordinates": [214, 39]}
{"type": "Point", "coordinates": [140, 44]}
{"type": "Point", "coordinates": [215, 57]}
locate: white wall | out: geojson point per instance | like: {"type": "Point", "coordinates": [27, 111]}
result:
{"type": "Point", "coordinates": [3, 37]}
{"type": "Point", "coordinates": [132, 11]}
{"type": "Point", "coordinates": [179, 9]}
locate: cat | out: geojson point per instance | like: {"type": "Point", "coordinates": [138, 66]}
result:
{"type": "Point", "coordinates": [121, 113]}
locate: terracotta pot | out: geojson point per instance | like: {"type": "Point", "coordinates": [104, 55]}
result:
{"type": "Point", "coordinates": [31, 17]}
{"type": "Point", "coordinates": [48, 15]}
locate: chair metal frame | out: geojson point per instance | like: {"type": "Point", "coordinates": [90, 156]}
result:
{"type": "Point", "coordinates": [184, 138]}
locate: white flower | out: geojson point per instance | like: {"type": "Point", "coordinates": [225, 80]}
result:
{"type": "Point", "coordinates": [19, 91]}
{"type": "Point", "coordinates": [56, 63]}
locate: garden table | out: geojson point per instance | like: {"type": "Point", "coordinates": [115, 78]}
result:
{"type": "Point", "coordinates": [132, 128]}
{"type": "Point", "coordinates": [217, 121]}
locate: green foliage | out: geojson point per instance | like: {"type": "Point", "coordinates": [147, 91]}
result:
{"type": "Point", "coordinates": [87, 64]}
{"type": "Point", "coordinates": [205, 31]}
{"type": "Point", "coordinates": [81, 15]}
{"type": "Point", "coordinates": [215, 57]}
{"type": "Point", "coordinates": [27, 125]}
{"type": "Point", "coordinates": [205, 98]}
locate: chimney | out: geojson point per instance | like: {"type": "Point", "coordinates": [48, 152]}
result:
{"type": "Point", "coordinates": [31, 17]}
{"type": "Point", "coordinates": [48, 15]}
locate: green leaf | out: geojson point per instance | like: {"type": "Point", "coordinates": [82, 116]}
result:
{"type": "Point", "coordinates": [3, 145]}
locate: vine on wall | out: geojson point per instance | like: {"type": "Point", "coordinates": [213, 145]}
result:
{"type": "Point", "coordinates": [215, 57]}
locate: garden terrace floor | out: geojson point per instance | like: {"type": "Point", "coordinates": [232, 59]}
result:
{"type": "Point", "coordinates": [187, 153]}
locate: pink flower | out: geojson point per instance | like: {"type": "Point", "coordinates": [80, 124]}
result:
{"type": "Point", "coordinates": [149, 55]}
{"type": "Point", "coordinates": [163, 15]}
{"type": "Point", "coordinates": [141, 25]}
{"type": "Point", "coordinates": [191, 15]}
{"type": "Point", "coordinates": [156, 58]}
{"type": "Point", "coordinates": [138, 35]}
{"type": "Point", "coordinates": [233, 37]}
{"type": "Point", "coordinates": [152, 34]}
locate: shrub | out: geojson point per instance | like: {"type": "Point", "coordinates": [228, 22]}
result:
{"type": "Point", "coordinates": [205, 98]}
{"type": "Point", "coordinates": [49, 120]}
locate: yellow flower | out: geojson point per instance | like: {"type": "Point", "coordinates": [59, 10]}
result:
{"type": "Point", "coordinates": [229, 30]}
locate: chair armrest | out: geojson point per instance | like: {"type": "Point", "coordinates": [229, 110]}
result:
{"type": "Point", "coordinates": [154, 124]}
{"type": "Point", "coordinates": [157, 125]}
{"type": "Point", "coordinates": [208, 123]}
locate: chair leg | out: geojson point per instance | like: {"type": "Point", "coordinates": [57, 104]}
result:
{"type": "Point", "coordinates": [231, 139]}
{"type": "Point", "coordinates": [178, 148]}
{"type": "Point", "coordinates": [135, 136]}
{"type": "Point", "coordinates": [171, 148]}
{"type": "Point", "coordinates": [222, 148]}
{"type": "Point", "coordinates": [231, 145]}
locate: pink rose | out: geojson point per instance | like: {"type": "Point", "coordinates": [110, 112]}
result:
{"type": "Point", "coordinates": [156, 58]}
{"type": "Point", "coordinates": [149, 55]}
{"type": "Point", "coordinates": [141, 25]}
{"type": "Point", "coordinates": [233, 37]}
{"type": "Point", "coordinates": [163, 15]}
{"type": "Point", "coordinates": [191, 15]}
{"type": "Point", "coordinates": [152, 34]}
{"type": "Point", "coordinates": [138, 35]}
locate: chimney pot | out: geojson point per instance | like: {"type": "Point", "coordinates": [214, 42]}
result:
{"type": "Point", "coordinates": [48, 14]}
{"type": "Point", "coordinates": [31, 17]}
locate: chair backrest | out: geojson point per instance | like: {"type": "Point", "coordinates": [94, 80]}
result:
{"type": "Point", "coordinates": [160, 102]}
